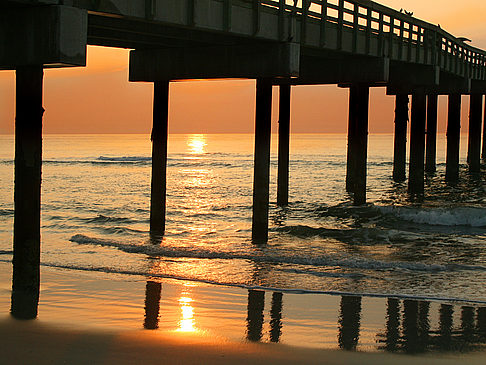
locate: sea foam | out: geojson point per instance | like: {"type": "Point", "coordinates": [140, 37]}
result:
{"type": "Point", "coordinates": [458, 216]}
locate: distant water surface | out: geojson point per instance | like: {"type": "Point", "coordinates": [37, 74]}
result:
{"type": "Point", "coordinates": [95, 211]}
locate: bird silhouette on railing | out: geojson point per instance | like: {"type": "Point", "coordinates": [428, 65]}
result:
{"type": "Point", "coordinates": [409, 13]}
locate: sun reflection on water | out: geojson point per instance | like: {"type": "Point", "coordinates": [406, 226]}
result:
{"type": "Point", "coordinates": [196, 144]}
{"type": "Point", "coordinates": [187, 322]}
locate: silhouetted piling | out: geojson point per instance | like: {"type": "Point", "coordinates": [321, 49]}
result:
{"type": "Point", "coordinates": [152, 305]}
{"type": "Point", "coordinates": [349, 322]}
{"type": "Point", "coordinates": [256, 305]}
{"type": "Point", "coordinates": [27, 196]}
{"type": "Point", "coordinates": [159, 157]}
{"type": "Point", "coordinates": [411, 343]}
{"type": "Point", "coordinates": [400, 144]}
{"type": "Point", "coordinates": [424, 325]}
{"type": "Point", "coordinates": [453, 138]}
{"type": "Point", "coordinates": [446, 313]}
{"type": "Point", "coordinates": [417, 144]}
{"type": "Point", "coordinates": [283, 146]}
{"type": "Point", "coordinates": [392, 325]}
{"type": "Point", "coordinates": [276, 317]}
{"type": "Point", "coordinates": [357, 142]}
{"type": "Point", "coordinates": [474, 140]}
{"type": "Point", "coordinates": [431, 144]}
{"type": "Point", "coordinates": [483, 153]}
{"type": "Point", "coordinates": [261, 175]}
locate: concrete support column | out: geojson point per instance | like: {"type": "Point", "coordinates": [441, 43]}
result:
{"type": "Point", "coordinates": [254, 319]}
{"type": "Point", "coordinates": [152, 305]}
{"type": "Point", "coordinates": [483, 152]}
{"type": "Point", "coordinates": [349, 322]}
{"type": "Point", "coordinates": [261, 175]}
{"type": "Point", "coordinates": [357, 142]}
{"type": "Point", "coordinates": [474, 140]}
{"type": "Point", "coordinates": [283, 146]}
{"type": "Point", "coordinates": [431, 144]}
{"type": "Point", "coordinates": [400, 143]}
{"type": "Point", "coordinates": [453, 138]}
{"type": "Point", "coordinates": [417, 144]}
{"type": "Point", "coordinates": [159, 157]}
{"type": "Point", "coordinates": [27, 196]}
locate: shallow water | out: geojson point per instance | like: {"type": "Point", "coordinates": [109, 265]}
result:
{"type": "Point", "coordinates": [76, 300]}
{"type": "Point", "coordinates": [95, 210]}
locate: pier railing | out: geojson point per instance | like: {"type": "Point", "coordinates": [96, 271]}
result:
{"type": "Point", "coordinates": [361, 27]}
{"type": "Point", "coordinates": [391, 33]}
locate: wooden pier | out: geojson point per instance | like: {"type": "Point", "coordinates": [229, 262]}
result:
{"type": "Point", "coordinates": [356, 44]}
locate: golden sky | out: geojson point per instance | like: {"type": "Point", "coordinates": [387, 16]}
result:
{"type": "Point", "coordinates": [99, 99]}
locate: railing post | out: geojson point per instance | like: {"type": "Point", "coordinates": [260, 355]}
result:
{"type": "Point", "coordinates": [303, 24]}
{"type": "Point", "coordinates": [281, 20]}
{"type": "Point", "coordinates": [227, 14]}
{"type": "Point", "coordinates": [256, 17]}
{"type": "Point", "coordinates": [392, 29]}
{"type": "Point", "coordinates": [150, 6]}
{"type": "Point", "coordinates": [368, 30]}
{"type": "Point", "coordinates": [355, 27]}
{"type": "Point", "coordinates": [191, 16]}
{"type": "Point", "coordinates": [340, 25]}
{"type": "Point", "coordinates": [381, 38]}
{"type": "Point", "coordinates": [323, 23]}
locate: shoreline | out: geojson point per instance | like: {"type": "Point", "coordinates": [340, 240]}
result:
{"type": "Point", "coordinates": [106, 319]}
{"type": "Point", "coordinates": [141, 277]}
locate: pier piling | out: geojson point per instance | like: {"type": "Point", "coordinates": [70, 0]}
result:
{"type": "Point", "coordinates": [357, 142]}
{"type": "Point", "coordinates": [483, 151]}
{"type": "Point", "coordinates": [261, 175]}
{"type": "Point", "coordinates": [400, 138]}
{"type": "Point", "coordinates": [159, 157]}
{"type": "Point", "coordinates": [431, 143]}
{"type": "Point", "coordinates": [254, 319]}
{"type": "Point", "coordinates": [283, 146]}
{"type": "Point", "coordinates": [453, 138]}
{"type": "Point", "coordinates": [474, 138]}
{"type": "Point", "coordinates": [417, 144]}
{"type": "Point", "coordinates": [27, 196]}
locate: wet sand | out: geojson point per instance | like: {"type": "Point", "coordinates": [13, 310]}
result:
{"type": "Point", "coordinates": [36, 343]}
{"type": "Point", "coordinates": [96, 318]}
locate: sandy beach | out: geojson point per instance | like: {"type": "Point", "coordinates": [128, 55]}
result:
{"type": "Point", "coordinates": [95, 319]}
{"type": "Point", "coordinates": [38, 343]}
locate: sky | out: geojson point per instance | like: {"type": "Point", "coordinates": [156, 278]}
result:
{"type": "Point", "coordinates": [99, 98]}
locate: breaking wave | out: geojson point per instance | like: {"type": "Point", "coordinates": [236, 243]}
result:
{"type": "Point", "coordinates": [282, 257]}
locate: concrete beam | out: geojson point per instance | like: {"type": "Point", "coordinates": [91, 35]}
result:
{"type": "Point", "coordinates": [412, 74]}
{"type": "Point", "coordinates": [478, 87]}
{"type": "Point", "coordinates": [246, 61]}
{"type": "Point", "coordinates": [405, 78]}
{"type": "Point", "coordinates": [445, 84]}
{"type": "Point", "coordinates": [52, 36]}
{"type": "Point", "coordinates": [345, 71]}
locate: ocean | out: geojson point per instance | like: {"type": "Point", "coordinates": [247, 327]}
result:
{"type": "Point", "coordinates": [95, 218]}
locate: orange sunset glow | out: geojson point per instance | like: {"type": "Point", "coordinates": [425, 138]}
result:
{"type": "Point", "coordinates": [99, 99]}
{"type": "Point", "coordinates": [247, 212]}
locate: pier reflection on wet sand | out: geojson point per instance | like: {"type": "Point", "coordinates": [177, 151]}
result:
{"type": "Point", "coordinates": [410, 325]}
